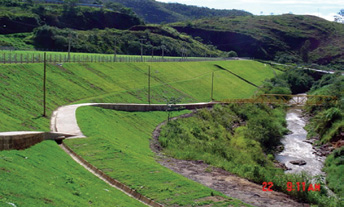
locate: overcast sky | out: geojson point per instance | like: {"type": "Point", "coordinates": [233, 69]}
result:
{"type": "Point", "coordinates": [322, 8]}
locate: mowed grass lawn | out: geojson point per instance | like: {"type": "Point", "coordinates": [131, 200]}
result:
{"type": "Point", "coordinates": [118, 144]}
{"type": "Point", "coordinates": [44, 175]}
{"type": "Point", "coordinates": [21, 109]}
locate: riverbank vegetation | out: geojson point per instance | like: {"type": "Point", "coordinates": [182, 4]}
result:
{"type": "Point", "coordinates": [292, 81]}
{"type": "Point", "coordinates": [327, 126]}
{"type": "Point", "coordinates": [239, 139]}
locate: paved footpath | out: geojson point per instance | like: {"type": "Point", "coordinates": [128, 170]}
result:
{"type": "Point", "coordinates": [63, 120]}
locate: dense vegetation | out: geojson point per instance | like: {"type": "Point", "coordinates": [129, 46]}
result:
{"type": "Point", "coordinates": [327, 125]}
{"type": "Point", "coordinates": [30, 16]}
{"type": "Point", "coordinates": [334, 165]}
{"type": "Point", "coordinates": [88, 29]}
{"type": "Point", "coordinates": [284, 38]}
{"type": "Point", "coordinates": [157, 12]}
{"type": "Point", "coordinates": [328, 121]}
{"type": "Point", "coordinates": [293, 81]}
{"type": "Point", "coordinates": [230, 136]}
{"type": "Point", "coordinates": [238, 139]}
{"type": "Point", "coordinates": [159, 41]}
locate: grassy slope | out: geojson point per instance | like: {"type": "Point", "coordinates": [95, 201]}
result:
{"type": "Point", "coordinates": [21, 85]}
{"type": "Point", "coordinates": [44, 175]}
{"type": "Point", "coordinates": [122, 151]}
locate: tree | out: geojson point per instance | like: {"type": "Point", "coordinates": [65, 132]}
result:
{"type": "Point", "coordinates": [304, 52]}
{"type": "Point", "coordinates": [339, 17]}
{"type": "Point", "coordinates": [232, 54]}
{"type": "Point", "coordinates": [171, 103]}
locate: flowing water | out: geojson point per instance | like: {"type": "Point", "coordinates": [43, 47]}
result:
{"type": "Point", "coordinates": [296, 149]}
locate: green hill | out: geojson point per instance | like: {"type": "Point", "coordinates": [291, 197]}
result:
{"type": "Point", "coordinates": [286, 38]}
{"type": "Point", "coordinates": [32, 15]}
{"type": "Point", "coordinates": [157, 12]}
{"type": "Point", "coordinates": [89, 29]}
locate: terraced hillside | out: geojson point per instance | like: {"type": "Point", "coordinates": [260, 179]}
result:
{"type": "Point", "coordinates": [21, 90]}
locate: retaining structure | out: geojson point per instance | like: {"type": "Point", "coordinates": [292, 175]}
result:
{"type": "Point", "coordinates": [24, 139]}
{"type": "Point", "coordinates": [154, 107]}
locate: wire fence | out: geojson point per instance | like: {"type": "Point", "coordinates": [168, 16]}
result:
{"type": "Point", "coordinates": [27, 57]}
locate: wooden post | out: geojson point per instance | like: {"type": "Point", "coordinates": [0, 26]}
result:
{"type": "Point", "coordinates": [44, 85]}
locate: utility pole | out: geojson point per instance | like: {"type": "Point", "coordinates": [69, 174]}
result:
{"type": "Point", "coordinates": [149, 74]}
{"type": "Point", "coordinates": [69, 45]}
{"type": "Point", "coordinates": [44, 85]}
{"type": "Point", "coordinates": [212, 86]}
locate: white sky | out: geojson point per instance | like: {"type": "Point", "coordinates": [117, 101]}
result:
{"type": "Point", "coordinates": [322, 8]}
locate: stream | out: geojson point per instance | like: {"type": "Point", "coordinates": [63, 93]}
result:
{"type": "Point", "coordinates": [296, 149]}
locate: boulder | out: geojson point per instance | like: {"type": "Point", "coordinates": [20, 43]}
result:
{"type": "Point", "coordinates": [298, 162]}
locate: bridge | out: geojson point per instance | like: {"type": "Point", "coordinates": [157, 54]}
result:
{"type": "Point", "coordinates": [290, 100]}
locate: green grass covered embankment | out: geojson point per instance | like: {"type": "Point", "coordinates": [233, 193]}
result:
{"type": "Point", "coordinates": [21, 109]}
{"type": "Point", "coordinates": [22, 97]}
{"type": "Point", "coordinates": [44, 175]}
{"type": "Point", "coordinates": [122, 151]}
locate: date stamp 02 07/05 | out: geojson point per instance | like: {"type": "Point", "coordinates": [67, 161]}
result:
{"type": "Point", "coordinates": [299, 186]}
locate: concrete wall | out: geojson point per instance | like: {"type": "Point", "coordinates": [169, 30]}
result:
{"type": "Point", "coordinates": [17, 141]}
{"type": "Point", "coordinates": [152, 107]}
{"type": "Point", "coordinates": [23, 140]}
